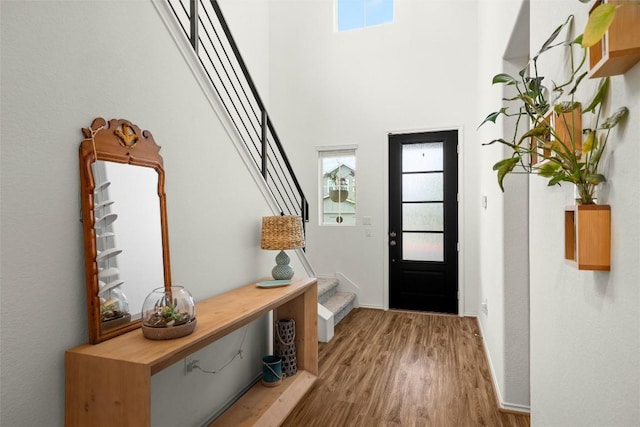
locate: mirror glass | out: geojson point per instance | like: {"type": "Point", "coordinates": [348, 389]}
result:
{"type": "Point", "coordinates": [124, 221]}
{"type": "Point", "coordinates": [127, 212]}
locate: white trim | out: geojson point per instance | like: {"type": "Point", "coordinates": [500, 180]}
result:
{"type": "Point", "coordinates": [373, 307]}
{"type": "Point", "coordinates": [385, 219]}
{"type": "Point", "coordinates": [423, 130]}
{"type": "Point", "coordinates": [346, 147]}
{"type": "Point", "coordinates": [514, 407]}
{"type": "Point", "coordinates": [494, 379]}
{"type": "Point", "coordinates": [326, 324]}
{"type": "Point", "coordinates": [329, 151]}
{"type": "Point", "coordinates": [462, 284]}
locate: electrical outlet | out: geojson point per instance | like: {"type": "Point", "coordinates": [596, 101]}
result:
{"type": "Point", "coordinates": [485, 306]}
{"type": "Point", "coordinates": [189, 365]}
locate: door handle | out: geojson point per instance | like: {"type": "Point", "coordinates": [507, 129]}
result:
{"type": "Point", "coordinates": [392, 234]}
{"type": "Point", "coordinates": [392, 243]}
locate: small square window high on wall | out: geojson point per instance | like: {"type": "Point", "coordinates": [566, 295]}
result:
{"type": "Point", "coordinates": [352, 14]}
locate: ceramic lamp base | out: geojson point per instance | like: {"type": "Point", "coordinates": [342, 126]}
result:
{"type": "Point", "coordinates": [282, 271]}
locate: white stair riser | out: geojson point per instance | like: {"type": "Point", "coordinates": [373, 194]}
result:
{"type": "Point", "coordinates": [333, 306]}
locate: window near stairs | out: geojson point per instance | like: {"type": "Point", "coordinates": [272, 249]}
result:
{"type": "Point", "coordinates": [352, 14]}
{"type": "Point", "coordinates": [338, 185]}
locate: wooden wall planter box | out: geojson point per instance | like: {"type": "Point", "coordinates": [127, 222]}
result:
{"type": "Point", "coordinates": [619, 49]}
{"type": "Point", "coordinates": [567, 126]}
{"type": "Point", "coordinates": [587, 236]}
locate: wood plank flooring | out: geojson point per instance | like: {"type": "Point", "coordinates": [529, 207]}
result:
{"type": "Point", "coordinates": [391, 368]}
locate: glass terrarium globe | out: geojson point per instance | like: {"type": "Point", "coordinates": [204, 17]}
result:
{"type": "Point", "coordinates": [114, 308]}
{"type": "Point", "coordinates": [168, 313]}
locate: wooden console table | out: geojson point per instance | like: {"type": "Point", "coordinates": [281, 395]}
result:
{"type": "Point", "coordinates": [109, 383]}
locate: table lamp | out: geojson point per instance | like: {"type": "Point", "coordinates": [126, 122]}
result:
{"type": "Point", "coordinates": [280, 233]}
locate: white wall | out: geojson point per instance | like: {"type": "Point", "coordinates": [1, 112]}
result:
{"type": "Point", "coordinates": [585, 326]}
{"type": "Point", "coordinates": [355, 87]}
{"type": "Point", "coordinates": [250, 30]}
{"type": "Point", "coordinates": [63, 64]}
{"type": "Point", "coordinates": [503, 227]}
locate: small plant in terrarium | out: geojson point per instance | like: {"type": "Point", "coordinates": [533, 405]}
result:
{"type": "Point", "coordinates": [167, 313]}
{"type": "Point", "coordinates": [109, 310]}
{"type": "Point", "coordinates": [113, 306]}
{"type": "Point", "coordinates": [171, 310]}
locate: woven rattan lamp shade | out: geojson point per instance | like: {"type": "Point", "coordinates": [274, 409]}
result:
{"type": "Point", "coordinates": [282, 232]}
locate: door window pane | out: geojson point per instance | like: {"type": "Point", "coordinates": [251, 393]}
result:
{"type": "Point", "coordinates": [423, 216]}
{"type": "Point", "coordinates": [422, 157]}
{"type": "Point", "coordinates": [422, 187]}
{"type": "Point", "coordinates": [423, 247]}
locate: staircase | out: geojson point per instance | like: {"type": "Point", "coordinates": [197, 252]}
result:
{"type": "Point", "coordinates": [333, 306]}
{"type": "Point", "coordinates": [219, 65]}
{"type": "Point", "coordinates": [208, 41]}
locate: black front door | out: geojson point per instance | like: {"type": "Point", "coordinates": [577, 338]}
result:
{"type": "Point", "coordinates": [423, 221]}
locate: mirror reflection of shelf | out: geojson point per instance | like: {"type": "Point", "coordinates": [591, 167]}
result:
{"type": "Point", "coordinates": [105, 221]}
{"type": "Point", "coordinates": [114, 307]}
{"type": "Point", "coordinates": [108, 253]}
{"type": "Point", "coordinates": [102, 186]}
{"type": "Point", "coordinates": [104, 204]}
{"type": "Point", "coordinates": [108, 272]}
{"type": "Point", "coordinates": [110, 285]}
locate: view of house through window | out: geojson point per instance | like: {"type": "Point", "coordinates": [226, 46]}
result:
{"type": "Point", "coordinates": [338, 195]}
{"type": "Point", "coordinates": [352, 14]}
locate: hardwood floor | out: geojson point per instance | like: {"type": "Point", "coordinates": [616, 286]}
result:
{"type": "Point", "coordinates": [390, 368]}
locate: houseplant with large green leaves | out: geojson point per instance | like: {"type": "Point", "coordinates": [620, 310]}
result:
{"type": "Point", "coordinates": [564, 156]}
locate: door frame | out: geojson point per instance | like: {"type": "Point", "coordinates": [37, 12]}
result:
{"type": "Point", "coordinates": [461, 209]}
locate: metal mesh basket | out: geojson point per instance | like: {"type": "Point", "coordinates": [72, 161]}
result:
{"type": "Point", "coordinates": [285, 345]}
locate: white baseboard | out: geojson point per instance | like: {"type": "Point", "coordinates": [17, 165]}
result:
{"type": "Point", "coordinates": [373, 307]}
{"type": "Point", "coordinates": [232, 400]}
{"type": "Point", "coordinates": [506, 406]}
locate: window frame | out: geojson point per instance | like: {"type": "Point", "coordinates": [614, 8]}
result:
{"type": "Point", "coordinates": [336, 151]}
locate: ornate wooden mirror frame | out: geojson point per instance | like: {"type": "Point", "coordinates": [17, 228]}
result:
{"type": "Point", "coordinates": [120, 142]}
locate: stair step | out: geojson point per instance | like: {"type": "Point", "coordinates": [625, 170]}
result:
{"type": "Point", "coordinates": [340, 304]}
{"type": "Point", "coordinates": [327, 287]}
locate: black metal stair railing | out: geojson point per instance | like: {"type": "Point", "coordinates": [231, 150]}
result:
{"type": "Point", "coordinates": [206, 29]}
